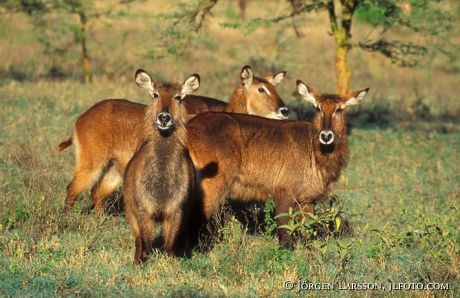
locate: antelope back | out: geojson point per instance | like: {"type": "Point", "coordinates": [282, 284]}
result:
{"type": "Point", "coordinates": [258, 96]}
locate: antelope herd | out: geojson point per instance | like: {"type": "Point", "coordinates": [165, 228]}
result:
{"type": "Point", "coordinates": [182, 155]}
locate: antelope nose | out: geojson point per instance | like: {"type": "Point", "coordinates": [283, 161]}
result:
{"type": "Point", "coordinates": [164, 120]}
{"type": "Point", "coordinates": [326, 137]}
{"type": "Point", "coordinates": [284, 111]}
{"type": "Point", "coordinates": [164, 117]}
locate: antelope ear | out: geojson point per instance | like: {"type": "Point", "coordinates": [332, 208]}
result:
{"type": "Point", "coordinates": [144, 80]}
{"type": "Point", "coordinates": [356, 97]}
{"type": "Point", "coordinates": [190, 85]}
{"type": "Point", "coordinates": [247, 76]}
{"type": "Point", "coordinates": [306, 93]}
{"type": "Point", "coordinates": [276, 78]}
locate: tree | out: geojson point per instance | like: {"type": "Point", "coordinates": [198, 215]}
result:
{"type": "Point", "coordinates": [85, 10]}
{"type": "Point", "coordinates": [424, 17]}
{"type": "Point", "coordinates": [60, 24]}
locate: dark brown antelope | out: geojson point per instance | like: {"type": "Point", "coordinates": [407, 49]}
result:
{"type": "Point", "coordinates": [159, 180]}
{"type": "Point", "coordinates": [248, 157]}
{"type": "Point", "coordinates": [107, 134]}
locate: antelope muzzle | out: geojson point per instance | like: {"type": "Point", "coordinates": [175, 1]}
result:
{"type": "Point", "coordinates": [326, 137]}
{"type": "Point", "coordinates": [164, 121]}
{"type": "Point", "coordinates": [283, 113]}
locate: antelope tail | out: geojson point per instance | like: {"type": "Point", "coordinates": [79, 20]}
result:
{"type": "Point", "coordinates": [63, 145]}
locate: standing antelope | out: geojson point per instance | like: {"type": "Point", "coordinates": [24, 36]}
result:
{"type": "Point", "coordinates": [107, 134]}
{"type": "Point", "coordinates": [249, 157]}
{"type": "Point", "coordinates": [106, 137]}
{"type": "Point", "coordinates": [159, 180]}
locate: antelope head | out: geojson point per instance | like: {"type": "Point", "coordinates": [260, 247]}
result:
{"type": "Point", "coordinates": [166, 111]}
{"type": "Point", "coordinates": [261, 96]}
{"type": "Point", "coordinates": [329, 119]}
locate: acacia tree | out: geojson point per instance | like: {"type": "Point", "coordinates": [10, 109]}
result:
{"type": "Point", "coordinates": [85, 10]}
{"type": "Point", "coordinates": [430, 19]}
{"type": "Point", "coordinates": [61, 24]}
{"type": "Point", "coordinates": [384, 15]}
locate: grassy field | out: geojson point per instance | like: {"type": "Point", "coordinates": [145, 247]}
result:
{"type": "Point", "coordinates": [399, 194]}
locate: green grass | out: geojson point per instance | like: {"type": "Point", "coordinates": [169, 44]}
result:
{"type": "Point", "coordinates": [400, 192]}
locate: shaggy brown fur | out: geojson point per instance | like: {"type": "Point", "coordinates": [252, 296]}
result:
{"type": "Point", "coordinates": [107, 134]}
{"type": "Point", "coordinates": [249, 157]}
{"type": "Point", "coordinates": [160, 179]}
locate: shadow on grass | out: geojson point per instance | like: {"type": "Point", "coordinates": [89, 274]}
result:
{"type": "Point", "coordinates": [22, 75]}
{"type": "Point", "coordinates": [252, 216]}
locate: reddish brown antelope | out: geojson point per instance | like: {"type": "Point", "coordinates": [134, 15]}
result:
{"type": "Point", "coordinates": [105, 139]}
{"type": "Point", "coordinates": [258, 96]}
{"type": "Point", "coordinates": [107, 134]}
{"type": "Point", "coordinates": [249, 157]}
{"type": "Point", "coordinates": [159, 180]}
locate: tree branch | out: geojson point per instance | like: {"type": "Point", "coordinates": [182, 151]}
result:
{"type": "Point", "coordinates": [332, 16]}
{"type": "Point", "coordinates": [348, 9]}
{"type": "Point", "coordinates": [205, 12]}
{"type": "Point", "coordinates": [400, 53]}
{"type": "Point", "coordinates": [296, 5]}
{"type": "Point", "coordinates": [299, 9]}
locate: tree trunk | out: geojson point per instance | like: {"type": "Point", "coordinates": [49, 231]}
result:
{"type": "Point", "coordinates": [342, 72]}
{"type": "Point", "coordinates": [84, 49]}
{"type": "Point", "coordinates": [341, 31]}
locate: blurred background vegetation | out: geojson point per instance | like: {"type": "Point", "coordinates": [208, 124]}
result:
{"type": "Point", "coordinates": [406, 51]}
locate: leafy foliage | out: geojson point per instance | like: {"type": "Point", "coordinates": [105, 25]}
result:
{"type": "Point", "coordinates": [378, 13]}
{"type": "Point", "coordinates": [430, 19]}
{"type": "Point", "coordinates": [270, 223]}
{"type": "Point", "coordinates": [426, 18]}
{"type": "Point", "coordinates": [175, 31]}
{"type": "Point", "coordinates": [312, 226]}
{"type": "Point", "coordinates": [60, 26]}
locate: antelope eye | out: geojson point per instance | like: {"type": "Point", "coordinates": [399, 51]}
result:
{"type": "Point", "coordinates": [178, 98]}
{"type": "Point", "coordinates": [261, 90]}
{"type": "Point", "coordinates": [338, 110]}
{"type": "Point", "coordinates": [155, 95]}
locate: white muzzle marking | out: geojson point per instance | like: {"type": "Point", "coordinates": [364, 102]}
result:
{"type": "Point", "coordinates": [164, 121]}
{"type": "Point", "coordinates": [326, 137]}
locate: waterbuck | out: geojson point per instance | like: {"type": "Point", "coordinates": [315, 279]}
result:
{"type": "Point", "coordinates": [248, 157]}
{"type": "Point", "coordinates": [105, 139]}
{"type": "Point", "coordinates": [107, 134]}
{"type": "Point", "coordinates": [159, 180]}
